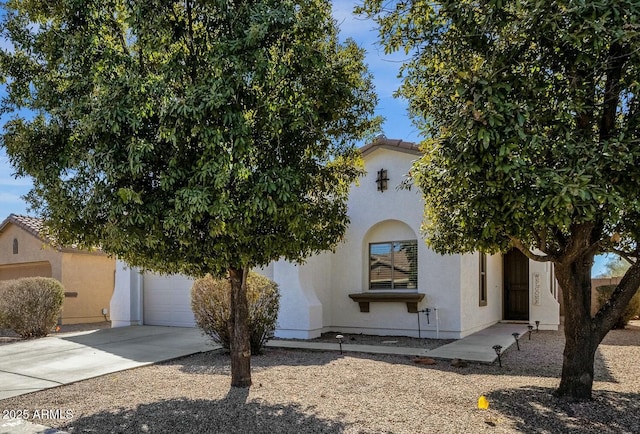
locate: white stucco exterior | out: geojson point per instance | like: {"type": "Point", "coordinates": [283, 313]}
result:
{"type": "Point", "coordinates": [315, 295]}
{"type": "Point", "coordinates": [126, 302]}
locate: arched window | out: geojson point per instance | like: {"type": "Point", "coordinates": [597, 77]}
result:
{"type": "Point", "coordinates": [392, 257]}
{"type": "Point", "coordinates": [393, 265]}
{"type": "Point", "coordinates": [15, 246]}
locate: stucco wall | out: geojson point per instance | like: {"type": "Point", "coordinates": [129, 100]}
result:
{"type": "Point", "coordinates": [543, 305]}
{"type": "Point", "coordinates": [126, 301]}
{"type": "Point", "coordinates": [31, 250]}
{"type": "Point", "coordinates": [450, 283]}
{"type": "Point", "coordinates": [392, 215]}
{"type": "Point", "coordinates": [475, 317]}
{"type": "Point", "coordinates": [28, 269]}
{"type": "Point", "coordinates": [91, 276]}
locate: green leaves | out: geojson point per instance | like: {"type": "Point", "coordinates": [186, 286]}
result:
{"type": "Point", "coordinates": [532, 112]}
{"type": "Point", "coordinates": [187, 136]}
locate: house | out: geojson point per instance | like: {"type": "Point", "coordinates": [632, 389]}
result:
{"type": "Point", "coordinates": [382, 279]}
{"type": "Point", "coordinates": [88, 277]}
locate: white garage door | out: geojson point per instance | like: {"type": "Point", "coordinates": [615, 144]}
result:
{"type": "Point", "coordinates": [167, 300]}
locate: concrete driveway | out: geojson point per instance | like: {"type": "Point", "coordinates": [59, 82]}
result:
{"type": "Point", "coordinates": [38, 364]}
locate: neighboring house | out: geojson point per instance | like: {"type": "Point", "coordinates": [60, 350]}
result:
{"type": "Point", "coordinates": [379, 279]}
{"type": "Point", "coordinates": [88, 277]}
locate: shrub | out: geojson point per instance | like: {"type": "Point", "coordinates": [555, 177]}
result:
{"type": "Point", "coordinates": [3, 285]}
{"type": "Point", "coordinates": [31, 306]}
{"type": "Point", "coordinates": [211, 304]}
{"type": "Point", "coordinates": [632, 310]}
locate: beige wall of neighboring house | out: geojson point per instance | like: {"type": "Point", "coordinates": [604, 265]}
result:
{"type": "Point", "coordinates": [91, 276]}
{"type": "Point", "coordinates": [29, 269]}
{"type": "Point", "coordinates": [88, 277]}
{"type": "Point", "coordinates": [32, 257]}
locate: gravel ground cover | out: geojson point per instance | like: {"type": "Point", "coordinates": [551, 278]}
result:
{"type": "Point", "coordinates": [325, 392]}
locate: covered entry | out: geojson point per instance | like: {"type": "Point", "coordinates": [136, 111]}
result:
{"type": "Point", "coordinates": [516, 286]}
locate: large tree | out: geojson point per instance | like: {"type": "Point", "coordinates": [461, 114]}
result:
{"type": "Point", "coordinates": [187, 136]}
{"type": "Point", "coordinates": [531, 116]}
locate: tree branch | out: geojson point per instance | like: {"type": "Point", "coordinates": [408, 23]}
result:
{"type": "Point", "coordinates": [528, 253]}
{"type": "Point", "coordinates": [625, 255]}
{"type": "Point", "coordinates": [608, 314]}
{"type": "Point", "coordinates": [538, 237]}
{"type": "Point", "coordinates": [617, 59]}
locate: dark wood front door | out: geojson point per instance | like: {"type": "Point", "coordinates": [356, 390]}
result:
{"type": "Point", "coordinates": [516, 286]}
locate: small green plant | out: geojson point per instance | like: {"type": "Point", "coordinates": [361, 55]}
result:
{"type": "Point", "coordinates": [211, 304]}
{"type": "Point", "coordinates": [31, 306]}
{"type": "Point", "coordinates": [632, 310]}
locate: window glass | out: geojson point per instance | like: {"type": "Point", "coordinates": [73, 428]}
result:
{"type": "Point", "coordinates": [393, 265]}
{"type": "Point", "coordinates": [483, 279]}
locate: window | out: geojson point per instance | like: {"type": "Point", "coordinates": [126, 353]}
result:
{"type": "Point", "coordinates": [482, 278]}
{"type": "Point", "coordinates": [15, 246]}
{"type": "Point", "coordinates": [393, 265]}
{"type": "Point", "coordinates": [553, 283]}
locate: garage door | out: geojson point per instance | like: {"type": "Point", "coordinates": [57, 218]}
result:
{"type": "Point", "coordinates": [27, 269]}
{"type": "Point", "coordinates": [167, 300]}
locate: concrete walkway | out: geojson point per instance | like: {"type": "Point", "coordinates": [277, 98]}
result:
{"type": "Point", "coordinates": [29, 366]}
{"type": "Point", "coordinates": [477, 347]}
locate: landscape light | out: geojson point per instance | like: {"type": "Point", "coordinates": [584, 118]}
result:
{"type": "Point", "coordinates": [497, 349]}
{"type": "Point", "coordinates": [340, 338]}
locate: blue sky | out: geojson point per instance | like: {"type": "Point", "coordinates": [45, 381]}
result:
{"type": "Point", "coordinates": [383, 67]}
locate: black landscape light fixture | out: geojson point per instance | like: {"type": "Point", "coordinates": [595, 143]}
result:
{"type": "Point", "coordinates": [497, 349]}
{"type": "Point", "coordinates": [382, 179]}
{"type": "Point", "coordinates": [340, 338]}
{"type": "Point", "coordinates": [530, 327]}
{"type": "Point", "coordinates": [537, 326]}
{"type": "Point", "coordinates": [516, 336]}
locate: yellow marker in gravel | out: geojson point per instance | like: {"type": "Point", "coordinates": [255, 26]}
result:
{"type": "Point", "coordinates": [483, 403]}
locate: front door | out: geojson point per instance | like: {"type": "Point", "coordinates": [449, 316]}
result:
{"type": "Point", "coordinates": [516, 286]}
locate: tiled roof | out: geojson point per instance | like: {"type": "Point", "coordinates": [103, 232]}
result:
{"type": "Point", "coordinates": [399, 145]}
{"type": "Point", "coordinates": [32, 225]}
{"type": "Point", "coordinates": [35, 226]}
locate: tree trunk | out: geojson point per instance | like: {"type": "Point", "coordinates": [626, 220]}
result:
{"type": "Point", "coordinates": [580, 337]}
{"type": "Point", "coordinates": [583, 333]}
{"type": "Point", "coordinates": [240, 348]}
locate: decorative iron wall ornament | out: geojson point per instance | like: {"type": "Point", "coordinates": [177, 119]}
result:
{"type": "Point", "coordinates": [382, 180]}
